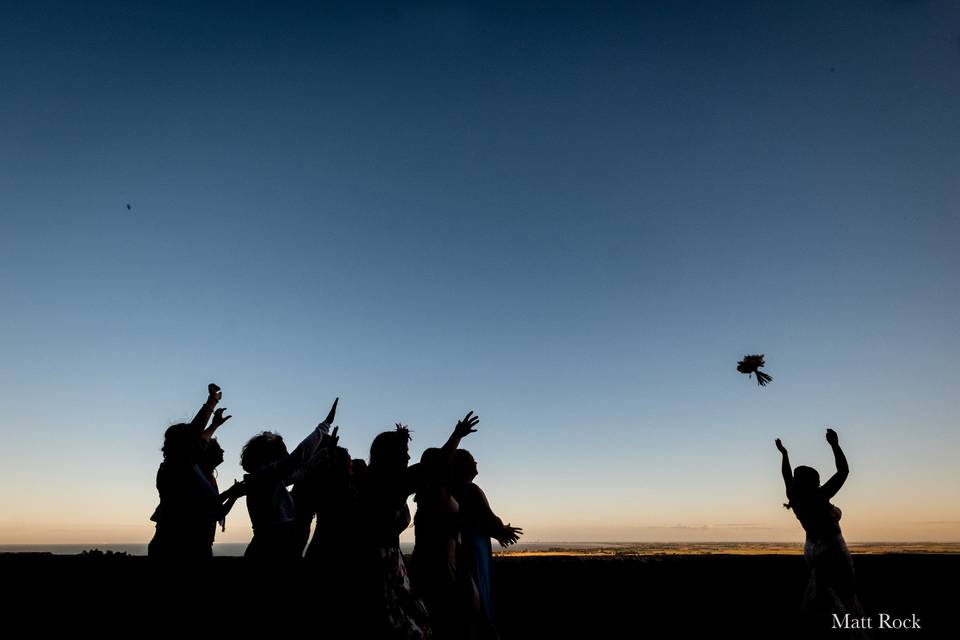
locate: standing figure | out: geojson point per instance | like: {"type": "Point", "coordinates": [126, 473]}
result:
{"type": "Point", "coordinates": [478, 525]}
{"type": "Point", "coordinates": [393, 609]}
{"type": "Point", "coordinates": [211, 457]}
{"type": "Point", "coordinates": [190, 505]}
{"type": "Point", "coordinates": [831, 588]}
{"type": "Point", "coordinates": [269, 470]}
{"type": "Point", "coordinates": [447, 591]}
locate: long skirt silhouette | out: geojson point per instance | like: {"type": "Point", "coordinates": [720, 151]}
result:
{"type": "Point", "coordinates": [832, 585]}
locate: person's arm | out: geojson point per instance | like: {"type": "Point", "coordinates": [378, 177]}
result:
{"type": "Point", "coordinates": [486, 521]}
{"type": "Point", "coordinates": [285, 467]}
{"type": "Point", "coordinates": [416, 474]}
{"type": "Point", "coordinates": [229, 497]}
{"type": "Point", "coordinates": [831, 486]}
{"type": "Point", "coordinates": [199, 422]}
{"type": "Point", "coordinates": [330, 439]}
{"type": "Point", "coordinates": [462, 429]}
{"type": "Point", "coordinates": [785, 469]}
{"type": "Point", "coordinates": [314, 458]}
{"type": "Point", "coordinates": [218, 420]}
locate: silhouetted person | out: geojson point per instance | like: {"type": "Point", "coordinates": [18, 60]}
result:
{"type": "Point", "coordinates": [752, 364]}
{"type": "Point", "coordinates": [309, 484]}
{"type": "Point", "coordinates": [269, 470]}
{"type": "Point", "coordinates": [449, 595]}
{"type": "Point", "coordinates": [190, 505]}
{"type": "Point", "coordinates": [831, 588]}
{"type": "Point", "coordinates": [394, 610]}
{"type": "Point", "coordinates": [478, 524]}
{"type": "Point", "coordinates": [211, 457]}
{"type": "Point", "coordinates": [335, 502]}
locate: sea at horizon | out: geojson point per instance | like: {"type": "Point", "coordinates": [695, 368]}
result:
{"type": "Point", "coordinates": [547, 549]}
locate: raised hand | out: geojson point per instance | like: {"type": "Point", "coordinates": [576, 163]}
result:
{"type": "Point", "coordinates": [832, 438]}
{"type": "Point", "coordinates": [780, 447]}
{"type": "Point", "coordinates": [333, 412]}
{"type": "Point", "coordinates": [333, 439]}
{"type": "Point", "coordinates": [219, 418]}
{"type": "Point", "coordinates": [466, 426]}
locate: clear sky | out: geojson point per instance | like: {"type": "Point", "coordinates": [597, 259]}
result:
{"type": "Point", "coordinates": [571, 218]}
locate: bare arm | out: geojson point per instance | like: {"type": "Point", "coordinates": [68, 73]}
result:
{"type": "Point", "coordinates": [416, 473]}
{"type": "Point", "coordinates": [218, 420]}
{"type": "Point", "coordinates": [832, 486]}
{"type": "Point", "coordinates": [487, 522]}
{"type": "Point", "coordinates": [229, 497]}
{"type": "Point", "coordinates": [462, 429]}
{"type": "Point", "coordinates": [200, 420]}
{"type": "Point", "coordinates": [785, 468]}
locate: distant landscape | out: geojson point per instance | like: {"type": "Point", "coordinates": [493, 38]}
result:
{"type": "Point", "coordinates": [558, 549]}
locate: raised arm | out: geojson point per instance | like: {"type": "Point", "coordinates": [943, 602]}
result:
{"type": "Point", "coordinates": [199, 422]}
{"type": "Point", "coordinates": [785, 468]}
{"type": "Point", "coordinates": [218, 420]}
{"type": "Point", "coordinates": [417, 476]}
{"type": "Point", "coordinates": [462, 429]}
{"type": "Point", "coordinates": [831, 486]}
{"type": "Point", "coordinates": [285, 468]}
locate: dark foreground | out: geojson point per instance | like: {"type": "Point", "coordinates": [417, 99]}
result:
{"type": "Point", "coordinates": [627, 597]}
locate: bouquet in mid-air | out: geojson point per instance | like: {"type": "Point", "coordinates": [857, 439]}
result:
{"type": "Point", "coordinates": [752, 364]}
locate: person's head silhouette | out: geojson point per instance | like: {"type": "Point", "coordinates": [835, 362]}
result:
{"type": "Point", "coordinates": [181, 444]}
{"type": "Point", "coordinates": [211, 455]}
{"type": "Point", "coordinates": [464, 466]}
{"type": "Point", "coordinates": [390, 451]}
{"type": "Point", "coordinates": [262, 449]}
{"type": "Point", "coordinates": [806, 480]}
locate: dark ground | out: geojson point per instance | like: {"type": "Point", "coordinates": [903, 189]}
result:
{"type": "Point", "coordinates": [627, 597]}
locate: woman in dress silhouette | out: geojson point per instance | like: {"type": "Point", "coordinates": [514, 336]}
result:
{"type": "Point", "coordinates": [190, 505]}
{"type": "Point", "coordinates": [395, 611]}
{"type": "Point", "coordinates": [832, 588]}
{"type": "Point", "coordinates": [478, 524]}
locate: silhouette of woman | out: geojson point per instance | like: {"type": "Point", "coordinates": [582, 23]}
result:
{"type": "Point", "coordinates": [190, 505]}
{"type": "Point", "coordinates": [394, 610]}
{"type": "Point", "coordinates": [478, 524]}
{"type": "Point", "coordinates": [211, 457]}
{"type": "Point", "coordinates": [449, 595]}
{"type": "Point", "coordinates": [269, 470]}
{"type": "Point", "coordinates": [310, 487]}
{"type": "Point", "coordinates": [831, 588]}
{"type": "Point", "coordinates": [333, 498]}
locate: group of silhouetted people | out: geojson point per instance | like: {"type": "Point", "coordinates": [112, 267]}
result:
{"type": "Point", "coordinates": [360, 510]}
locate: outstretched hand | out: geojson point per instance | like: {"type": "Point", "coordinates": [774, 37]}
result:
{"type": "Point", "coordinates": [333, 439]}
{"type": "Point", "coordinates": [780, 447]}
{"type": "Point", "coordinates": [510, 535]}
{"type": "Point", "coordinates": [219, 418]}
{"type": "Point", "coordinates": [832, 438]}
{"type": "Point", "coordinates": [333, 412]}
{"type": "Point", "coordinates": [466, 426]}
{"type": "Point", "coordinates": [213, 393]}
{"type": "Point", "coordinates": [236, 490]}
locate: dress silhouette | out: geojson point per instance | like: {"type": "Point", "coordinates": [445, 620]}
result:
{"type": "Point", "coordinates": [831, 588]}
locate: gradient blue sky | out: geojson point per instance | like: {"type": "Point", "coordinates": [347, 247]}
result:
{"type": "Point", "coordinates": [571, 218]}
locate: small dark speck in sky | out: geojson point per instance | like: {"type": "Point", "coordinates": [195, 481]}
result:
{"type": "Point", "coordinates": [129, 207]}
